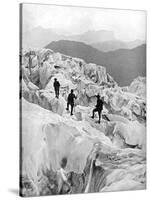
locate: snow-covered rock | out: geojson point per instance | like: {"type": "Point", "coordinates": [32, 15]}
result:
{"type": "Point", "coordinates": [31, 86]}
{"type": "Point", "coordinates": [132, 134]}
{"type": "Point", "coordinates": [46, 73]}
{"type": "Point", "coordinates": [138, 87]}
{"type": "Point", "coordinates": [96, 73]}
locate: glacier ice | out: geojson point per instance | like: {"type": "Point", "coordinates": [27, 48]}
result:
{"type": "Point", "coordinates": [110, 156]}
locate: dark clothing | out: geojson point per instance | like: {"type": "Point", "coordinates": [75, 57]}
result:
{"type": "Point", "coordinates": [56, 87]}
{"type": "Point", "coordinates": [98, 108]}
{"type": "Point", "coordinates": [80, 64]}
{"type": "Point", "coordinates": [99, 104]}
{"type": "Point", "coordinates": [56, 84]}
{"type": "Point", "coordinates": [57, 92]}
{"type": "Point", "coordinates": [71, 98]}
{"type": "Point", "coordinates": [99, 113]}
{"type": "Point", "coordinates": [70, 101]}
{"type": "Point", "coordinates": [72, 105]}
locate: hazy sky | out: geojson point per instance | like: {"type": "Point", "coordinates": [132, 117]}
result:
{"type": "Point", "coordinates": [126, 24]}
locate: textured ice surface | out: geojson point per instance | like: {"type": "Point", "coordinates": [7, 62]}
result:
{"type": "Point", "coordinates": [109, 156]}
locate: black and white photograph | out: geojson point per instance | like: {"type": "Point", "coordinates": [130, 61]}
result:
{"type": "Point", "coordinates": [82, 100]}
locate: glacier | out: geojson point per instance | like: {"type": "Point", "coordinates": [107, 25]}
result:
{"type": "Point", "coordinates": [110, 156]}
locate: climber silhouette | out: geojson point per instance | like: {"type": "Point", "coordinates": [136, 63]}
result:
{"type": "Point", "coordinates": [56, 87]}
{"type": "Point", "coordinates": [80, 64]}
{"type": "Point", "coordinates": [70, 101]}
{"type": "Point", "coordinates": [62, 178]}
{"type": "Point", "coordinates": [98, 108]}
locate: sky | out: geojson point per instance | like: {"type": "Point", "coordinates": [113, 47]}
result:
{"type": "Point", "coordinates": [127, 25]}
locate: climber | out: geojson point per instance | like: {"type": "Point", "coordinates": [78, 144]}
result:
{"type": "Point", "coordinates": [62, 176]}
{"type": "Point", "coordinates": [80, 64]}
{"type": "Point", "coordinates": [98, 108]}
{"type": "Point", "coordinates": [70, 101]}
{"type": "Point", "coordinates": [56, 87]}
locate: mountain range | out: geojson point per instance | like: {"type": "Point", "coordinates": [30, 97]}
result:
{"type": "Point", "coordinates": [113, 45]}
{"type": "Point", "coordinates": [102, 40]}
{"type": "Point", "coordinates": [123, 64]}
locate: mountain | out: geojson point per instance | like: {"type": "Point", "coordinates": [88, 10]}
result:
{"type": "Point", "coordinates": [76, 49]}
{"type": "Point", "coordinates": [116, 44]}
{"type": "Point", "coordinates": [126, 64]}
{"type": "Point", "coordinates": [38, 37]}
{"type": "Point", "coordinates": [102, 40]}
{"type": "Point", "coordinates": [93, 36]}
{"type": "Point", "coordinates": [123, 64]}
